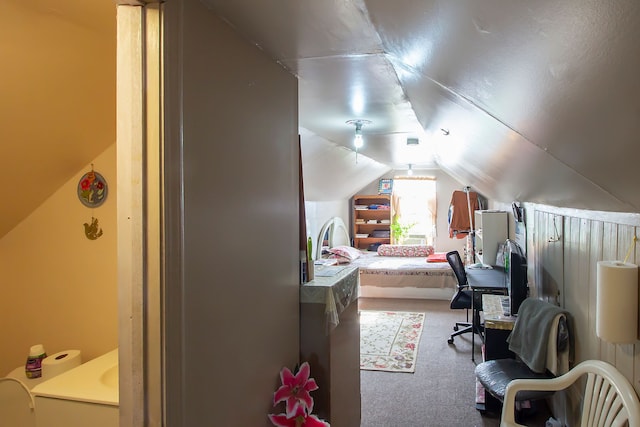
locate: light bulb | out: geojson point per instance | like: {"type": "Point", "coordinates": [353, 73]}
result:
{"type": "Point", "coordinates": [410, 171]}
{"type": "Point", "coordinates": [357, 141]}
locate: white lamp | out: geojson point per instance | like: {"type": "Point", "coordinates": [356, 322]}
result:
{"type": "Point", "coordinates": [357, 139]}
{"type": "Point", "coordinates": [617, 302]}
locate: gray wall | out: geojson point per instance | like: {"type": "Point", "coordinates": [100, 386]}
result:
{"type": "Point", "coordinates": [238, 321]}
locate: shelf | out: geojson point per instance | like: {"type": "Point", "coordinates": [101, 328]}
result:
{"type": "Point", "coordinates": [361, 218]}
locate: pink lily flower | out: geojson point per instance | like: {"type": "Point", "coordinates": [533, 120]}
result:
{"type": "Point", "coordinates": [295, 390]}
{"type": "Point", "coordinates": [299, 419]}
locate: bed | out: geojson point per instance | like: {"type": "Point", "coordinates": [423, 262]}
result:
{"type": "Point", "coordinates": [382, 276]}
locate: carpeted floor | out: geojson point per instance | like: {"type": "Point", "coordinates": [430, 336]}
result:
{"type": "Point", "coordinates": [441, 392]}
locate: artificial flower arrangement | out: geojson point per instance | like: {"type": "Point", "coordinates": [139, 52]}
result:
{"type": "Point", "coordinates": [299, 403]}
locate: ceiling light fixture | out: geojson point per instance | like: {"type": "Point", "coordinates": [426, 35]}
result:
{"type": "Point", "coordinates": [357, 139]}
{"type": "Point", "coordinates": [410, 171]}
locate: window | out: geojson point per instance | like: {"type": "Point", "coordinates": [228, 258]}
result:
{"type": "Point", "coordinates": [414, 204]}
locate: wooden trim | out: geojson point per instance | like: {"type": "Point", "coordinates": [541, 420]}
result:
{"type": "Point", "coordinates": [130, 197]}
{"type": "Point", "coordinates": [626, 218]}
{"type": "Point", "coordinates": [153, 357]}
{"type": "Point", "coordinates": [416, 178]}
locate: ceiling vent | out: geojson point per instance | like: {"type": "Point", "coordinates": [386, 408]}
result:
{"type": "Point", "coordinates": [413, 141]}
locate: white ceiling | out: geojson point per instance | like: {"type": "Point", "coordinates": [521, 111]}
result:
{"type": "Point", "coordinates": [539, 101]}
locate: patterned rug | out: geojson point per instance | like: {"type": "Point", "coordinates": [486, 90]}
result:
{"type": "Point", "coordinates": [389, 340]}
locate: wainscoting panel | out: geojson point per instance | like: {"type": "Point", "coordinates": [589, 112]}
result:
{"type": "Point", "coordinates": [566, 255]}
{"type": "Point", "coordinates": [548, 256]}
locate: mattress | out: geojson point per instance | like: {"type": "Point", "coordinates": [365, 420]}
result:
{"type": "Point", "coordinates": [383, 271]}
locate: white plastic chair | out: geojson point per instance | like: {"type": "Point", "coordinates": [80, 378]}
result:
{"type": "Point", "coordinates": [609, 398]}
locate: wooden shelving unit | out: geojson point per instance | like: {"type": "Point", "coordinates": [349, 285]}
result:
{"type": "Point", "coordinates": [367, 219]}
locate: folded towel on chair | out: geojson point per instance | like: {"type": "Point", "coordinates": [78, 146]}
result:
{"type": "Point", "coordinates": [530, 336]}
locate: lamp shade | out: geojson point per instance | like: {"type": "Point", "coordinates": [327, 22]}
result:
{"type": "Point", "coordinates": [617, 302]}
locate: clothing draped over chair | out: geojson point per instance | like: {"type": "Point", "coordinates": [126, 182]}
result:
{"type": "Point", "coordinates": [459, 223]}
{"type": "Point", "coordinates": [534, 314]}
{"type": "Point", "coordinates": [542, 344]}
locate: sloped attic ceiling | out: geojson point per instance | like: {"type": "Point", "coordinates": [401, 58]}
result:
{"type": "Point", "coordinates": [57, 109]}
{"type": "Point", "coordinates": [539, 100]}
{"type": "Point", "coordinates": [333, 172]}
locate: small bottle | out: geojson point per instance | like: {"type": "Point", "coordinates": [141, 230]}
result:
{"type": "Point", "coordinates": [33, 368]}
{"type": "Point", "coordinates": [310, 266]}
{"type": "Point", "coordinates": [303, 267]}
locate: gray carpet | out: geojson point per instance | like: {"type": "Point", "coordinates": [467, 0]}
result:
{"type": "Point", "coordinates": [441, 392]}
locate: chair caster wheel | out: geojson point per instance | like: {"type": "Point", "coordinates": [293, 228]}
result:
{"type": "Point", "coordinates": [455, 328]}
{"type": "Point", "coordinates": [450, 340]}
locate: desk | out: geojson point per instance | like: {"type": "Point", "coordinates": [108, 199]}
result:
{"type": "Point", "coordinates": [492, 281]}
{"type": "Point", "coordinates": [497, 328]}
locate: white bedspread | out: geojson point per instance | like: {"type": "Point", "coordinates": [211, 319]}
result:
{"type": "Point", "coordinates": [376, 270]}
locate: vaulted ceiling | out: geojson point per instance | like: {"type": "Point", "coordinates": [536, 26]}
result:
{"type": "Point", "coordinates": [531, 101]}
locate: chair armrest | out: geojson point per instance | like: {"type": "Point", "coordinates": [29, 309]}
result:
{"type": "Point", "coordinates": [599, 372]}
{"type": "Point", "coordinates": [552, 384]}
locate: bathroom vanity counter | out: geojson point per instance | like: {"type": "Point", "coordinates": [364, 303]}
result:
{"type": "Point", "coordinates": [95, 381]}
{"type": "Point", "coordinates": [85, 395]}
{"type": "Point", "coordinates": [330, 342]}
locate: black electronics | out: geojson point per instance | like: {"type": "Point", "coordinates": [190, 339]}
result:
{"type": "Point", "coordinates": [515, 267]}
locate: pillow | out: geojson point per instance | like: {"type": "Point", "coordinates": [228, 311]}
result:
{"type": "Point", "coordinates": [405, 250]}
{"type": "Point", "coordinates": [340, 259]}
{"type": "Point", "coordinates": [437, 257]}
{"type": "Point", "coordinates": [346, 252]}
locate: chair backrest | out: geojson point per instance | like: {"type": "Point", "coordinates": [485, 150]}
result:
{"type": "Point", "coordinates": [454, 260]}
{"type": "Point", "coordinates": [609, 398]}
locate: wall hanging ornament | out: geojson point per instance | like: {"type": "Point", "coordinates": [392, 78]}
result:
{"type": "Point", "coordinates": [92, 189]}
{"type": "Point", "coordinates": [92, 192]}
{"type": "Point", "coordinates": [92, 231]}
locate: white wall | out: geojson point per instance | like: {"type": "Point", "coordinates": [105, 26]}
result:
{"type": "Point", "coordinates": [58, 287]}
{"type": "Point", "coordinates": [239, 318]}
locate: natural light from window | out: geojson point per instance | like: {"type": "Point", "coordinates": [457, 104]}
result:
{"type": "Point", "coordinates": [414, 203]}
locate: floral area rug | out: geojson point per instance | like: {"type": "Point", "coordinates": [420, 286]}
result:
{"type": "Point", "coordinates": [389, 340]}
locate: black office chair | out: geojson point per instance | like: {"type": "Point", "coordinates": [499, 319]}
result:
{"type": "Point", "coordinates": [462, 298]}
